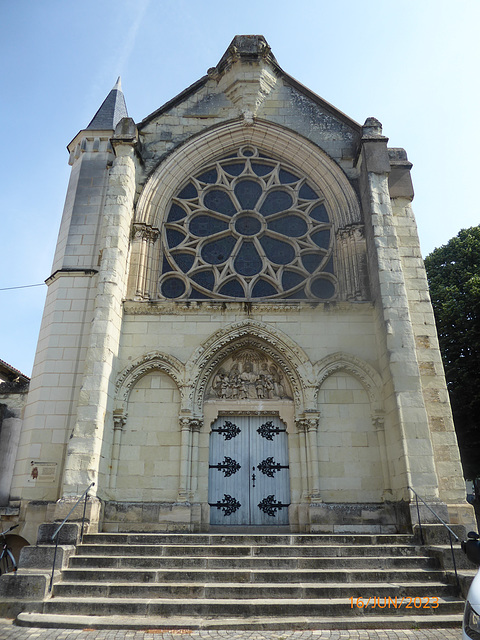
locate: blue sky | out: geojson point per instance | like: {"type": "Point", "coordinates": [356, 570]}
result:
{"type": "Point", "coordinates": [411, 64]}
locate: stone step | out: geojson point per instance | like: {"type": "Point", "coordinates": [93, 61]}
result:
{"type": "Point", "coordinates": [246, 539]}
{"type": "Point", "coordinates": [253, 563]}
{"type": "Point", "coordinates": [342, 576]}
{"type": "Point", "coordinates": [230, 592]}
{"type": "Point", "coordinates": [259, 581]}
{"type": "Point", "coordinates": [225, 608]}
{"type": "Point", "coordinates": [403, 620]}
{"type": "Point", "coordinates": [243, 551]}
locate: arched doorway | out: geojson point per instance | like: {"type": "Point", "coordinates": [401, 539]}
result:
{"type": "Point", "coordinates": [249, 478]}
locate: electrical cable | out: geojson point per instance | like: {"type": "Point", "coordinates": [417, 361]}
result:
{"type": "Point", "coordinates": [25, 286]}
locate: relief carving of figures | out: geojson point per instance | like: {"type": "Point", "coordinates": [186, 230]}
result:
{"type": "Point", "coordinates": [249, 375]}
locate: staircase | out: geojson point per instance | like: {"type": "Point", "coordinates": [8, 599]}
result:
{"type": "Point", "coordinates": [248, 581]}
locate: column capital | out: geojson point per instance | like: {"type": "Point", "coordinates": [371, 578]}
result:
{"type": "Point", "coordinates": [378, 421]}
{"type": "Point", "coordinates": [190, 423]}
{"type": "Point", "coordinates": [355, 232]}
{"type": "Point", "coordinates": [308, 423]}
{"type": "Point", "coordinates": [119, 420]}
{"type": "Point", "coordinates": [142, 231]}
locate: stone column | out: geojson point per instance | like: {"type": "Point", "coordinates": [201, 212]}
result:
{"type": "Point", "coordinates": [195, 426]}
{"type": "Point", "coordinates": [379, 426]}
{"type": "Point", "coordinates": [310, 427]}
{"type": "Point", "coordinates": [351, 256]}
{"type": "Point", "coordinates": [119, 422]}
{"type": "Point", "coordinates": [144, 238]}
{"type": "Point", "coordinates": [185, 452]}
{"type": "Point", "coordinates": [302, 448]}
{"type": "Point", "coordinates": [189, 430]}
{"type": "Point", "coordinates": [85, 444]}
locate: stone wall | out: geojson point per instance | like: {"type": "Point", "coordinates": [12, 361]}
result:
{"type": "Point", "coordinates": [121, 394]}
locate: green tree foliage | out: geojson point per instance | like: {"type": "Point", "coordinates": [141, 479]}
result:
{"type": "Point", "coordinates": [453, 273]}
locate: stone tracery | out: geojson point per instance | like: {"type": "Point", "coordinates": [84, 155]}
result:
{"type": "Point", "coordinates": [164, 185]}
{"type": "Point", "coordinates": [247, 227]}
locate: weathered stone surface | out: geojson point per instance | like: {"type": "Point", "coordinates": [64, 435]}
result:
{"type": "Point", "coordinates": [69, 533]}
{"type": "Point", "coordinates": [131, 365]}
{"type": "Point", "coordinates": [42, 556]}
{"type": "Point", "coordinates": [24, 585]}
{"type": "Point", "coordinates": [211, 579]}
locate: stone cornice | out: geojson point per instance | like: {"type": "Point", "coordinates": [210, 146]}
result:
{"type": "Point", "coordinates": [90, 136]}
{"type": "Point", "coordinates": [70, 271]}
{"type": "Point", "coordinates": [170, 307]}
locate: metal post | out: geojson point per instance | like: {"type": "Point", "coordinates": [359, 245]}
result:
{"type": "Point", "coordinates": [57, 531]}
{"type": "Point", "coordinates": [53, 568]}
{"type": "Point", "coordinates": [72, 509]}
{"type": "Point", "coordinates": [83, 517]}
{"type": "Point", "coordinates": [422, 540]}
{"type": "Point", "coordinates": [453, 558]}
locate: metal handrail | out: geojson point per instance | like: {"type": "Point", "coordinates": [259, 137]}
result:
{"type": "Point", "coordinates": [57, 530]}
{"type": "Point", "coordinates": [435, 514]}
{"type": "Point", "coordinates": [450, 532]}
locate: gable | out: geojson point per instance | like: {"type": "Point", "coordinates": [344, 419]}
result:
{"type": "Point", "coordinates": [249, 85]}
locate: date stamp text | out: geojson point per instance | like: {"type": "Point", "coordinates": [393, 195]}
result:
{"type": "Point", "coordinates": [387, 602]}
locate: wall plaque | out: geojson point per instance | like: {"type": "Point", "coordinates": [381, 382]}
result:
{"type": "Point", "coordinates": [42, 472]}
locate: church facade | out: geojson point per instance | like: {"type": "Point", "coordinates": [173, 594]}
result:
{"type": "Point", "coordinates": [238, 330]}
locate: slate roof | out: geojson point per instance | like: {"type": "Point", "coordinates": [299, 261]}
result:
{"type": "Point", "coordinates": [112, 110]}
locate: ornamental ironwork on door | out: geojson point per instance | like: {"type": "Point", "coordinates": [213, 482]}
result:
{"type": "Point", "coordinates": [249, 482]}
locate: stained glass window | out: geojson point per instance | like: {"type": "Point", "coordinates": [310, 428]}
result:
{"type": "Point", "coordinates": [247, 227]}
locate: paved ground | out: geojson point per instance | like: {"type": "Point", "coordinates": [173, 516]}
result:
{"type": "Point", "coordinates": [9, 632]}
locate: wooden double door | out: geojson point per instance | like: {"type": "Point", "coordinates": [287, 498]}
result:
{"type": "Point", "coordinates": [249, 480]}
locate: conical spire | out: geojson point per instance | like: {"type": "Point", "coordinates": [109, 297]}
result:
{"type": "Point", "coordinates": [113, 109]}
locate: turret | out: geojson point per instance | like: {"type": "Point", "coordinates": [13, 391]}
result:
{"type": "Point", "coordinates": [64, 333]}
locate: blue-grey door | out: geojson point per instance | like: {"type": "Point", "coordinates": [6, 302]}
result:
{"type": "Point", "coordinates": [248, 481]}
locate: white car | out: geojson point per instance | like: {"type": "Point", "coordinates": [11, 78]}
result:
{"type": "Point", "coordinates": [471, 618]}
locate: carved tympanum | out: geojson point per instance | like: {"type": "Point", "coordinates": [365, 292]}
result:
{"type": "Point", "coordinates": [248, 375]}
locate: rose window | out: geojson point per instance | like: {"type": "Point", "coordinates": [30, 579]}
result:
{"type": "Point", "coordinates": [247, 227]}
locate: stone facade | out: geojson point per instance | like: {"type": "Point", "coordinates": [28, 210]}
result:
{"type": "Point", "coordinates": [13, 395]}
{"type": "Point", "coordinates": [245, 252]}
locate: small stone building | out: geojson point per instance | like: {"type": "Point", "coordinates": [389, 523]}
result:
{"type": "Point", "coordinates": [13, 394]}
{"type": "Point", "coordinates": [238, 330]}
